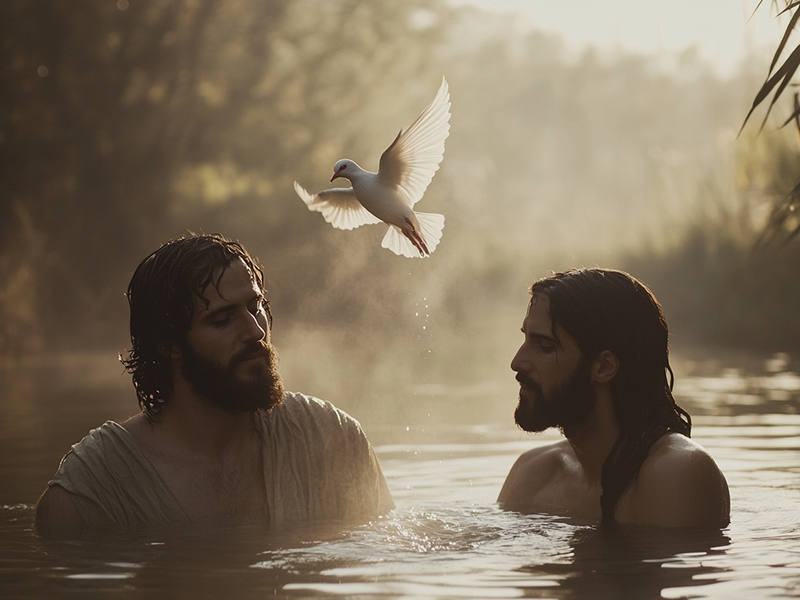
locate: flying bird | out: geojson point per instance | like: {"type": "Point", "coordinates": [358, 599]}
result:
{"type": "Point", "coordinates": [406, 169]}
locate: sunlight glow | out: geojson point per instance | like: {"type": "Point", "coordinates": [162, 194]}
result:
{"type": "Point", "coordinates": [723, 31]}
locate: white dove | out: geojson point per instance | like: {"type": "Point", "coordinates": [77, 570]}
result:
{"type": "Point", "coordinates": [406, 170]}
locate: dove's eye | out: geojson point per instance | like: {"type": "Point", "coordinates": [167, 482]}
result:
{"type": "Point", "coordinates": [343, 167]}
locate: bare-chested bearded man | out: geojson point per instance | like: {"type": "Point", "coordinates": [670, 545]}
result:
{"type": "Point", "coordinates": [594, 363]}
{"type": "Point", "coordinates": [217, 438]}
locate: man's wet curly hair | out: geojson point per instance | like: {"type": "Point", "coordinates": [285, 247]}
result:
{"type": "Point", "coordinates": [161, 297]}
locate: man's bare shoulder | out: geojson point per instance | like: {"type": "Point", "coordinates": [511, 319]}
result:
{"type": "Point", "coordinates": [679, 484]}
{"type": "Point", "coordinates": [544, 457]}
{"type": "Point", "coordinates": [532, 471]}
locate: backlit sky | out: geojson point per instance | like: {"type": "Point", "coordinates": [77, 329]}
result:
{"type": "Point", "coordinates": [721, 29]}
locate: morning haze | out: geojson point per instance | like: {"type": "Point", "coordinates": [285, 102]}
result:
{"type": "Point", "coordinates": [131, 123]}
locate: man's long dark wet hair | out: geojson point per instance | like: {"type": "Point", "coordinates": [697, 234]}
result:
{"type": "Point", "coordinates": [604, 309]}
{"type": "Point", "coordinates": [161, 296]}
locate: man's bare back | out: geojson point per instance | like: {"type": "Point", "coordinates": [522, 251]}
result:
{"type": "Point", "coordinates": [678, 485]}
{"type": "Point", "coordinates": [594, 363]}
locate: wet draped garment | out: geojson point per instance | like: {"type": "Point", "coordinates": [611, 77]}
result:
{"type": "Point", "coordinates": [318, 465]}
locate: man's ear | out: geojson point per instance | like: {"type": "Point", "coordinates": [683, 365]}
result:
{"type": "Point", "coordinates": [605, 367]}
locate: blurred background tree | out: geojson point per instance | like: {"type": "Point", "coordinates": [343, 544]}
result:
{"type": "Point", "coordinates": [126, 123]}
{"type": "Point", "coordinates": [102, 105]}
{"type": "Point", "coordinates": [735, 270]}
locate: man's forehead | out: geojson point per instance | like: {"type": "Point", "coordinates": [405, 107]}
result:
{"type": "Point", "coordinates": [233, 279]}
{"type": "Point", "coordinates": [539, 322]}
{"type": "Point", "coordinates": [538, 312]}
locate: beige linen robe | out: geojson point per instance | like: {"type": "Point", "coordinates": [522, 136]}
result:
{"type": "Point", "coordinates": [318, 466]}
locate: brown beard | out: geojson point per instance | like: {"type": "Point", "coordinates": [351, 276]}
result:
{"type": "Point", "coordinates": [261, 389]}
{"type": "Point", "coordinates": [567, 407]}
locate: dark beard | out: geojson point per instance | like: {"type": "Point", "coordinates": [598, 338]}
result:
{"type": "Point", "coordinates": [566, 408]}
{"type": "Point", "coordinates": [261, 389]}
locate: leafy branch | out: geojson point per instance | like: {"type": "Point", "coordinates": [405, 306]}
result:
{"type": "Point", "coordinates": [783, 76]}
{"type": "Point", "coordinates": [783, 213]}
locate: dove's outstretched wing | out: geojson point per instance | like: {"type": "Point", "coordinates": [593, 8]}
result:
{"type": "Point", "coordinates": [409, 164]}
{"type": "Point", "coordinates": [338, 206]}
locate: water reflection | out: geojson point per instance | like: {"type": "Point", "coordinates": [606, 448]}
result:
{"type": "Point", "coordinates": [744, 386]}
{"type": "Point", "coordinates": [447, 538]}
{"type": "Point", "coordinates": [639, 564]}
{"type": "Point", "coordinates": [184, 561]}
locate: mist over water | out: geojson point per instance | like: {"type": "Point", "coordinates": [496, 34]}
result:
{"type": "Point", "coordinates": [553, 161]}
{"type": "Point", "coordinates": [139, 121]}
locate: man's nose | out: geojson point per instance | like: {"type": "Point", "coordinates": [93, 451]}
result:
{"type": "Point", "coordinates": [254, 329]}
{"type": "Point", "coordinates": [520, 362]}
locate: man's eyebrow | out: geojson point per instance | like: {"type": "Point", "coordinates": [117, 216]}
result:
{"type": "Point", "coordinates": [542, 336]}
{"type": "Point", "coordinates": [208, 312]}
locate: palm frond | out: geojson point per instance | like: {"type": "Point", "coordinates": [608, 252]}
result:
{"type": "Point", "coordinates": [795, 116]}
{"type": "Point", "coordinates": [783, 76]}
{"type": "Point", "coordinates": [786, 34]}
{"type": "Point", "coordinates": [784, 218]}
{"type": "Point", "coordinates": [783, 212]}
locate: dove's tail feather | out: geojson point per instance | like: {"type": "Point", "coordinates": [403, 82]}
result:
{"type": "Point", "coordinates": [431, 225]}
{"type": "Point", "coordinates": [395, 241]}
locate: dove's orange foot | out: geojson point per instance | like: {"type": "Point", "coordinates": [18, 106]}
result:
{"type": "Point", "coordinates": [416, 238]}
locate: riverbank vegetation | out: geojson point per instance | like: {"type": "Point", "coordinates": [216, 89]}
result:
{"type": "Point", "coordinates": [125, 124]}
{"type": "Point", "coordinates": [730, 276]}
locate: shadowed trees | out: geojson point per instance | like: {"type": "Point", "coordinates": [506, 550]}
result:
{"type": "Point", "coordinates": [102, 103]}
{"type": "Point", "coordinates": [124, 124]}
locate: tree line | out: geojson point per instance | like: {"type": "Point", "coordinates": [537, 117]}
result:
{"type": "Point", "coordinates": [123, 124]}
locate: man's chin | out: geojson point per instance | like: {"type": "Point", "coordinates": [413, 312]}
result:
{"type": "Point", "coordinates": [527, 420]}
{"type": "Point", "coordinates": [260, 393]}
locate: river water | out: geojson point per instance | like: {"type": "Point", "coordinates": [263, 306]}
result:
{"type": "Point", "coordinates": [445, 451]}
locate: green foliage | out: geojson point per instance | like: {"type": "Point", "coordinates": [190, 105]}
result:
{"type": "Point", "coordinates": [781, 78]}
{"type": "Point", "coordinates": [722, 281]}
{"type": "Point", "coordinates": [126, 124]}
{"type": "Point", "coordinates": [123, 128]}
{"type": "Point", "coordinates": [101, 106]}
{"type": "Point", "coordinates": [783, 213]}
{"type": "Point", "coordinates": [725, 294]}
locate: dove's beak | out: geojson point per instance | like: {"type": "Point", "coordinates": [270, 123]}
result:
{"type": "Point", "coordinates": [338, 172]}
